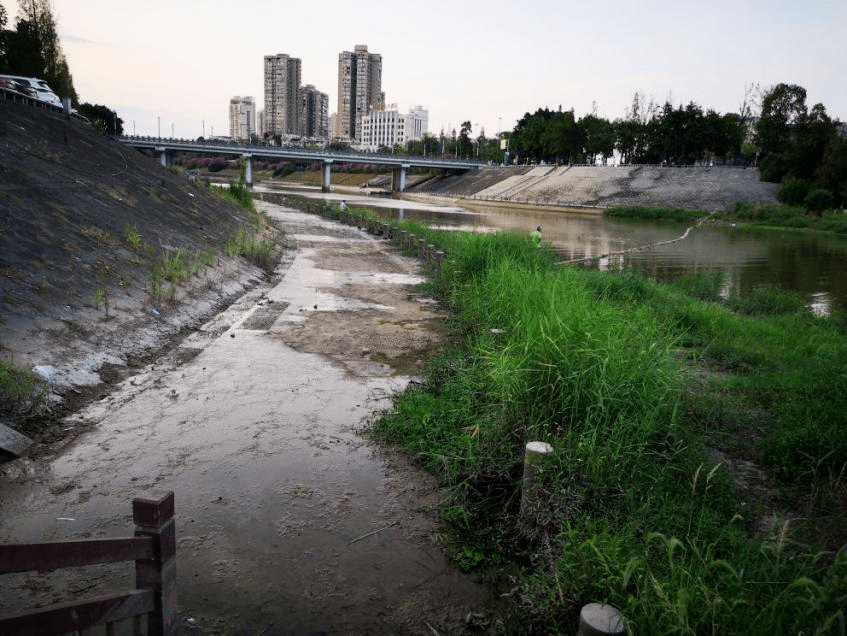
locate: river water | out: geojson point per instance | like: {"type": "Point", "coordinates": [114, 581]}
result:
{"type": "Point", "coordinates": [813, 265]}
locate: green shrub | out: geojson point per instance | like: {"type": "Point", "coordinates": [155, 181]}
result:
{"type": "Point", "coordinates": [767, 300]}
{"type": "Point", "coordinates": [819, 199]}
{"type": "Point", "coordinates": [793, 191]}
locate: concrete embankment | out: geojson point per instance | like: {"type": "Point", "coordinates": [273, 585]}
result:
{"type": "Point", "coordinates": [695, 187]}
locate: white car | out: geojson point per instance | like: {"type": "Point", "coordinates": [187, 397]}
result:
{"type": "Point", "coordinates": [41, 88]}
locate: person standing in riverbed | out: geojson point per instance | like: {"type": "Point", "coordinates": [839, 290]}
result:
{"type": "Point", "coordinates": [535, 236]}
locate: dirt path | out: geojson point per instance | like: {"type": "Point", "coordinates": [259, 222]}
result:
{"type": "Point", "coordinates": [287, 521]}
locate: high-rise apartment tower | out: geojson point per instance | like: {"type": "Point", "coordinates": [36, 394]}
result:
{"type": "Point", "coordinates": [242, 118]}
{"type": "Point", "coordinates": [282, 95]}
{"type": "Point", "coordinates": [359, 87]}
{"type": "Point", "coordinates": [314, 112]}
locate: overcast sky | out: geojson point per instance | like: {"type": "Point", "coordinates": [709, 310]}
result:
{"type": "Point", "coordinates": [177, 63]}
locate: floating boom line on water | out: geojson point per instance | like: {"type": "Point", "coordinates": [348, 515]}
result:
{"type": "Point", "coordinates": [629, 250]}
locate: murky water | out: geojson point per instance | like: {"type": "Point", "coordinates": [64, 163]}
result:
{"type": "Point", "coordinates": [813, 265]}
{"type": "Point", "coordinates": [288, 522]}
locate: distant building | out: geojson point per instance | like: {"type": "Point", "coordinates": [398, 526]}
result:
{"type": "Point", "coordinates": [386, 126]}
{"type": "Point", "coordinates": [282, 95]}
{"type": "Point", "coordinates": [260, 122]}
{"type": "Point", "coordinates": [314, 112]}
{"type": "Point", "coordinates": [242, 118]}
{"type": "Point", "coordinates": [359, 87]}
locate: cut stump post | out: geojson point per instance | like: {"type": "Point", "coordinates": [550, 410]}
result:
{"type": "Point", "coordinates": [535, 454]}
{"type": "Point", "coordinates": [598, 619]}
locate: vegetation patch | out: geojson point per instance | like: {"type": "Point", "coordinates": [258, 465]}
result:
{"type": "Point", "coordinates": [20, 390]}
{"type": "Point", "coordinates": [104, 237]}
{"type": "Point", "coordinates": [654, 213]}
{"type": "Point", "coordinates": [652, 396]}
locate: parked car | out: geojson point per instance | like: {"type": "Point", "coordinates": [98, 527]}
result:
{"type": "Point", "coordinates": [11, 85]}
{"type": "Point", "coordinates": [40, 89]}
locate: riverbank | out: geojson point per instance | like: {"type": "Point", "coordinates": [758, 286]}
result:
{"type": "Point", "coordinates": [726, 418]}
{"type": "Point", "coordinates": [106, 259]}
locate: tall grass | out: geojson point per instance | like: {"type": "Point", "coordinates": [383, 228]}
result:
{"type": "Point", "coordinates": [631, 383]}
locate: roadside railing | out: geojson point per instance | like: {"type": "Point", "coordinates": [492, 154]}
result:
{"type": "Point", "coordinates": [149, 609]}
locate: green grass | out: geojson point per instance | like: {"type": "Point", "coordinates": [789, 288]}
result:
{"type": "Point", "coordinates": [20, 390]}
{"type": "Point", "coordinates": [632, 383]}
{"type": "Point", "coordinates": [654, 213]}
{"type": "Point", "coordinates": [132, 236]}
{"type": "Point", "coordinates": [783, 215]}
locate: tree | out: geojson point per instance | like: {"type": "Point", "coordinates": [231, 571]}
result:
{"type": "Point", "coordinates": [465, 144]}
{"type": "Point", "coordinates": [782, 105]}
{"type": "Point", "coordinates": [599, 138]}
{"type": "Point", "coordinates": [102, 118]}
{"type": "Point", "coordinates": [33, 49]}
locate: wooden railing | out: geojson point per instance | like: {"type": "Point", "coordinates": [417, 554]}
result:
{"type": "Point", "coordinates": [148, 609]}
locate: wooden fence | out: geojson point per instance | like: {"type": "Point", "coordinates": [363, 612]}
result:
{"type": "Point", "coordinates": [149, 609]}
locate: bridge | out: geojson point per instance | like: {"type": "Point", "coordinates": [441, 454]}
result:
{"type": "Point", "coordinates": [400, 164]}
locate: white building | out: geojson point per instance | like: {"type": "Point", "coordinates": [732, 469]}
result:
{"type": "Point", "coordinates": [386, 126]}
{"type": "Point", "coordinates": [242, 118]}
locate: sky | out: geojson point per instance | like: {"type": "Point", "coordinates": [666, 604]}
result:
{"type": "Point", "coordinates": [172, 66]}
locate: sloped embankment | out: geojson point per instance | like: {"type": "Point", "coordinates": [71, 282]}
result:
{"type": "Point", "coordinates": [86, 227]}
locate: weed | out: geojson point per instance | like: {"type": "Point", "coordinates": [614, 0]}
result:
{"type": "Point", "coordinates": [132, 236]}
{"type": "Point", "coordinates": [154, 285]}
{"type": "Point", "coordinates": [100, 235]}
{"type": "Point", "coordinates": [20, 390]}
{"type": "Point", "coordinates": [101, 294]}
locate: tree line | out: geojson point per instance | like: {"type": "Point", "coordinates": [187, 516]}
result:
{"type": "Point", "coordinates": [32, 49]}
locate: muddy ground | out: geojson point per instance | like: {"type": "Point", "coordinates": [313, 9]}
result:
{"type": "Point", "coordinates": [243, 392]}
{"type": "Point", "coordinates": [288, 521]}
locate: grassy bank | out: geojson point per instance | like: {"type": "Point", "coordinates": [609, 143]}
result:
{"type": "Point", "coordinates": [698, 480]}
{"type": "Point", "coordinates": [763, 215]}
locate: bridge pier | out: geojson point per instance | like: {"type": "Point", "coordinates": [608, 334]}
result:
{"type": "Point", "coordinates": [164, 156]}
{"type": "Point", "coordinates": [327, 171]}
{"type": "Point", "coordinates": [248, 169]}
{"type": "Point", "coordinates": [398, 178]}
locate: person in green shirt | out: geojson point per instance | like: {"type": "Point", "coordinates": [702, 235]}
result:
{"type": "Point", "coordinates": [535, 236]}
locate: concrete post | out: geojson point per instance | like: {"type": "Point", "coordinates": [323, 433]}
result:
{"type": "Point", "coordinates": [248, 170]}
{"type": "Point", "coordinates": [327, 172]}
{"type": "Point", "coordinates": [155, 518]}
{"type": "Point", "coordinates": [535, 454]}
{"type": "Point", "coordinates": [385, 229]}
{"type": "Point", "coordinates": [163, 156]}
{"type": "Point", "coordinates": [430, 251]}
{"type": "Point", "coordinates": [421, 248]}
{"type": "Point", "coordinates": [596, 619]}
{"type": "Point", "coordinates": [439, 259]}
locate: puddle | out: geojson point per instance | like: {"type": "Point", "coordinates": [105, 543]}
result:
{"type": "Point", "coordinates": [287, 521]}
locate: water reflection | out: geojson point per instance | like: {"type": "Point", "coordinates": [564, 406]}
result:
{"type": "Point", "coordinates": [810, 264]}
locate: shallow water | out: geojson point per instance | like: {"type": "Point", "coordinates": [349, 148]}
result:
{"type": "Point", "coordinates": [287, 520]}
{"type": "Point", "coordinates": [810, 264]}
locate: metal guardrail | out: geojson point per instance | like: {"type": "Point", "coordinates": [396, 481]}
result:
{"type": "Point", "coordinates": [297, 153]}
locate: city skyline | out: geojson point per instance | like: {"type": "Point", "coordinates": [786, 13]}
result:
{"type": "Point", "coordinates": [175, 66]}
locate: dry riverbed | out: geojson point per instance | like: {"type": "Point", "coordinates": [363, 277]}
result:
{"type": "Point", "coordinates": [288, 522]}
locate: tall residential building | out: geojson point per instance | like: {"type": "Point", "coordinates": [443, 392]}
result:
{"type": "Point", "coordinates": [359, 87]}
{"type": "Point", "coordinates": [314, 112]}
{"type": "Point", "coordinates": [282, 95]}
{"type": "Point", "coordinates": [242, 118]}
{"type": "Point", "coordinates": [386, 126]}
